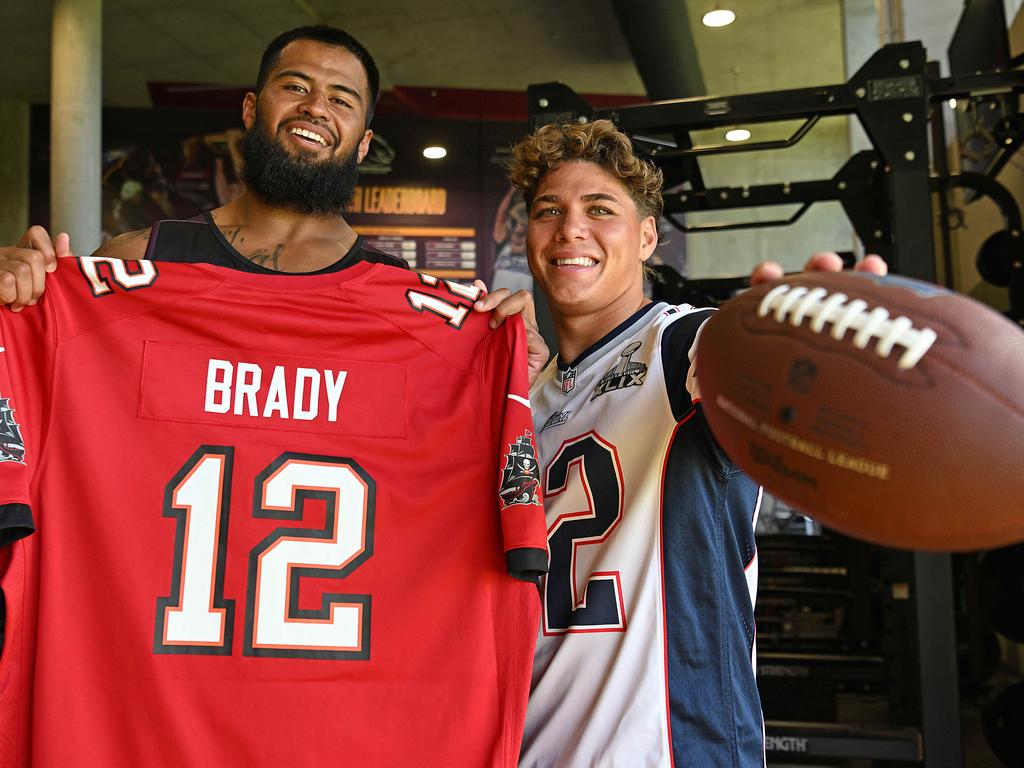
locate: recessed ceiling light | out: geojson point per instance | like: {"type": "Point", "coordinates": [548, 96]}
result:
{"type": "Point", "coordinates": [737, 134]}
{"type": "Point", "coordinates": [434, 153]}
{"type": "Point", "coordinates": [718, 17]}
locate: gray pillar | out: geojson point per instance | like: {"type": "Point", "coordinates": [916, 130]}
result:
{"type": "Point", "coordinates": [75, 108]}
{"type": "Point", "coordinates": [861, 38]}
{"type": "Point", "coordinates": [14, 127]}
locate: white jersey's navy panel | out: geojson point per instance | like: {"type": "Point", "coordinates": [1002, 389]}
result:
{"type": "Point", "coordinates": [645, 654]}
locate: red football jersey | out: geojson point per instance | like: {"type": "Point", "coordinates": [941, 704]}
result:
{"type": "Point", "coordinates": [279, 521]}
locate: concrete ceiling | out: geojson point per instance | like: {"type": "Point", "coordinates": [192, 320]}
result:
{"type": "Point", "coordinates": [487, 44]}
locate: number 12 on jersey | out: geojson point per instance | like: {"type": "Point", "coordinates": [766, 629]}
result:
{"type": "Point", "coordinates": [196, 618]}
{"type": "Point", "coordinates": [591, 464]}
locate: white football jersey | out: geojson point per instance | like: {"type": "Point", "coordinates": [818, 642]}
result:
{"type": "Point", "coordinates": [645, 652]}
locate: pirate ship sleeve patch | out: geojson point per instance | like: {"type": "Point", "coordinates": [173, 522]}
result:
{"type": "Point", "coordinates": [520, 477]}
{"type": "Point", "coordinates": [12, 444]}
{"type": "Point", "coordinates": [519, 499]}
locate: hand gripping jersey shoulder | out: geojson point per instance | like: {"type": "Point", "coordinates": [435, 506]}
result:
{"type": "Point", "coordinates": [285, 517]}
{"type": "Point", "coordinates": [438, 313]}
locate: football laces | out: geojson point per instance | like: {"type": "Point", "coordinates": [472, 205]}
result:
{"type": "Point", "coordinates": [794, 304]}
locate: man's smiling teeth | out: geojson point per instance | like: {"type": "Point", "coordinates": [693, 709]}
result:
{"type": "Point", "coordinates": [309, 135]}
{"type": "Point", "coordinates": [576, 261]}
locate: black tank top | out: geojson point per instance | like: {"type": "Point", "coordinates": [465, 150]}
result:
{"type": "Point", "coordinates": [199, 241]}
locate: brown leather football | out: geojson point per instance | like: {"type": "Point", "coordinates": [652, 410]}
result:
{"type": "Point", "coordinates": [886, 408]}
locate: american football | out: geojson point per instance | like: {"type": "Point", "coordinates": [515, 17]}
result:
{"type": "Point", "coordinates": [889, 409]}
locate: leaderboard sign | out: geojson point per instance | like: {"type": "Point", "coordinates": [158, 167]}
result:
{"type": "Point", "coordinates": [449, 252]}
{"type": "Point", "coordinates": [444, 251]}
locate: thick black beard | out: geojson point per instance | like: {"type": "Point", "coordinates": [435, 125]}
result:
{"type": "Point", "coordinates": [314, 187]}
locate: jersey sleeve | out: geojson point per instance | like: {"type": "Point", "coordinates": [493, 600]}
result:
{"type": "Point", "coordinates": [679, 344]}
{"type": "Point", "coordinates": [27, 344]}
{"type": "Point", "coordinates": [505, 381]}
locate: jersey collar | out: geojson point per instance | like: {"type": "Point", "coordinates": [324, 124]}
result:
{"type": "Point", "coordinates": [637, 318]}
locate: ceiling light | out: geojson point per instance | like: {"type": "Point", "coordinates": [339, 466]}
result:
{"type": "Point", "coordinates": [737, 134]}
{"type": "Point", "coordinates": [952, 103]}
{"type": "Point", "coordinates": [434, 153]}
{"type": "Point", "coordinates": [718, 17]}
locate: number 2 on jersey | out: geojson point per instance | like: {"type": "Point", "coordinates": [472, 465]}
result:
{"type": "Point", "coordinates": [593, 463]}
{"type": "Point", "coordinates": [195, 617]}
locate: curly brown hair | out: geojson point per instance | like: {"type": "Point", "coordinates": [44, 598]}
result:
{"type": "Point", "coordinates": [599, 142]}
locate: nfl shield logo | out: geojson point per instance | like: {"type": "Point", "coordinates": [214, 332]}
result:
{"type": "Point", "coordinates": [802, 373]}
{"type": "Point", "coordinates": [568, 380]}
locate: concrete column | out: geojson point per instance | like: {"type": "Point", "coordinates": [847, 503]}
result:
{"type": "Point", "coordinates": [76, 102]}
{"type": "Point", "coordinates": [891, 21]}
{"type": "Point", "coordinates": [14, 127]}
{"type": "Point", "coordinates": [861, 38]}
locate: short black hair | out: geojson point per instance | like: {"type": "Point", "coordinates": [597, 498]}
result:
{"type": "Point", "coordinates": [321, 33]}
